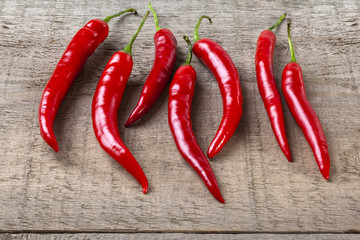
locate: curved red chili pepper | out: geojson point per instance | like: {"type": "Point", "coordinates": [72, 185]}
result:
{"type": "Point", "coordinates": [294, 92]}
{"type": "Point", "coordinates": [165, 56]}
{"type": "Point", "coordinates": [180, 97]}
{"type": "Point", "coordinates": [226, 74]}
{"type": "Point", "coordinates": [267, 86]}
{"type": "Point", "coordinates": [105, 105]}
{"type": "Point", "coordinates": [80, 48]}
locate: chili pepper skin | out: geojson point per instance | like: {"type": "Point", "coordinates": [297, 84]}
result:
{"type": "Point", "coordinates": [105, 105]}
{"type": "Point", "coordinates": [294, 92]}
{"type": "Point", "coordinates": [80, 48]}
{"type": "Point", "coordinates": [267, 86]}
{"type": "Point", "coordinates": [179, 109]}
{"type": "Point", "coordinates": [165, 56]}
{"type": "Point", "coordinates": [226, 74]}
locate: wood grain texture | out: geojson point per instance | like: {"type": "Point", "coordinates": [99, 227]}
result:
{"type": "Point", "coordinates": [82, 189]}
{"type": "Point", "coordinates": [177, 236]}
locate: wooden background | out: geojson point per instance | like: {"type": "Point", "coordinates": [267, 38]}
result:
{"type": "Point", "coordinates": [82, 190]}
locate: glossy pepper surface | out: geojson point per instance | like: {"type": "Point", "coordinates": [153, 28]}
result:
{"type": "Point", "coordinates": [179, 109]}
{"type": "Point", "coordinates": [294, 92]}
{"type": "Point", "coordinates": [267, 86]}
{"type": "Point", "coordinates": [227, 76]}
{"type": "Point", "coordinates": [165, 56]}
{"type": "Point", "coordinates": [80, 48]}
{"type": "Point", "coordinates": [105, 106]}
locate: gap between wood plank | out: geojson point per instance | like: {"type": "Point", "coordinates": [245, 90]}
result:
{"type": "Point", "coordinates": [351, 231]}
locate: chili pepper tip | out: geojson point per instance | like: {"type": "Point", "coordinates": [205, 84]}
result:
{"type": "Point", "coordinates": [51, 140]}
{"type": "Point", "coordinates": [55, 147]}
{"type": "Point", "coordinates": [288, 156]}
{"type": "Point", "coordinates": [325, 175]}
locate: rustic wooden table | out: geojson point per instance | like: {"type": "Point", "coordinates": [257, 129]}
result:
{"type": "Point", "coordinates": [81, 193]}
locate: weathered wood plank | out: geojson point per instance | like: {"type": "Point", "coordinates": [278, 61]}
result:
{"type": "Point", "coordinates": [81, 188]}
{"type": "Point", "coordinates": [177, 236]}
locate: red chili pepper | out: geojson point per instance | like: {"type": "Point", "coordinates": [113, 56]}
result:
{"type": "Point", "coordinates": [80, 48]}
{"type": "Point", "coordinates": [294, 92]}
{"type": "Point", "coordinates": [105, 105]}
{"type": "Point", "coordinates": [221, 65]}
{"type": "Point", "coordinates": [267, 86]}
{"type": "Point", "coordinates": [180, 97]}
{"type": "Point", "coordinates": [165, 56]}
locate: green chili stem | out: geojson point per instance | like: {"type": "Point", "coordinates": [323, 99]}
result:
{"type": "Point", "coordinates": [108, 18]}
{"type": "Point", "coordinates": [293, 59]}
{"type": "Point", "coordinates": [278, 22]}
{"type": "Point", "coordinates": [188, 60]}
{"type": "Point", "coordinates": [155, 16]}
{"type": "Point", "coordinates": [128, 48]}
{"type": "Point", "coordinates": [196, 30]}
